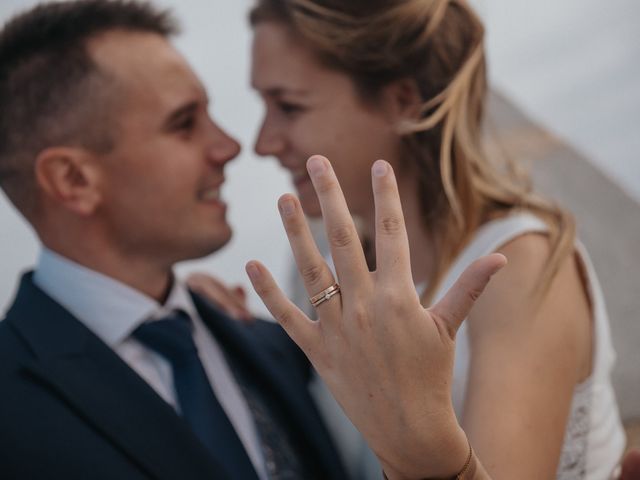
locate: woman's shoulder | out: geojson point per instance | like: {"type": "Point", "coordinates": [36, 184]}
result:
{"type": "Point", "coordinates": [527, 254]}
{"type": "Point", "coordinates": [515, 305]}
{"type": "Point", "coordinates": [491, 237]}
{"type": "Point", "coordinates": [510, 296]}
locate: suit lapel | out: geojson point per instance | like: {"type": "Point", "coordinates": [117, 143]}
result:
{"type": "Point", "coordinates": [271, 376]}
{"type": "Point", "coordinates": [73, 364]}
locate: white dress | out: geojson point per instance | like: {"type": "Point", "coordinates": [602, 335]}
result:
{"type": "Point", "coordinates": [594, 439]}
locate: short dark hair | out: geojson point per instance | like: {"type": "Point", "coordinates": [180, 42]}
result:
{"type": "Point", "coordinates": [51, 91]}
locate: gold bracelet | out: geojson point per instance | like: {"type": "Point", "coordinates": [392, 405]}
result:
{"type": "Point", "coordinates": [464, 470]}
{"type": "Point", "coordinates": [467, 464]}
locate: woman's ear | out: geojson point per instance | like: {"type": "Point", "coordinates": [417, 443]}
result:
{"type": "Point", "coordinates": [68, 176]}
{"type": "Point", "coordinates": [403, 100]}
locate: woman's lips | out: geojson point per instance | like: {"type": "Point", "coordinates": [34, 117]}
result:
{"type": "Point", "coordinates": [301, 179]}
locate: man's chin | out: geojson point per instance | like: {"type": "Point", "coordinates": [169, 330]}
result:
{"type": "Point", "coordinates": [208, 246]}
{"type": "Point", "coordinates": [220, 241]}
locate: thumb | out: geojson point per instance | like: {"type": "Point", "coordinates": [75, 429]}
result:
{"type": "Point", "coordinates": [459, 300]}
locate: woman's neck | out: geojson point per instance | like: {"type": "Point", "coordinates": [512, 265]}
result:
{"type": "Point", "coordinates": [421, 244]}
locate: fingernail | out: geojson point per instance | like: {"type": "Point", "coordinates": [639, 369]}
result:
{"type": "Point", "coordinates": [287, 207]}
{"type": "Point", "coordinates": [252, 271]}
{"type": "Point", "coordinates": [316, 166]}
{"type": "Point", "coordinates": [380, 168]}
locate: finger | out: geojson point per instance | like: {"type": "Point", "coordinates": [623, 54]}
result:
{"type": "Point", "coordinates": [298, 326]}
{"type": "Point", "coordinates": [346, 248]}
{"type": "Point", "coordinates": [316, 274]}
{"type": "Point", "coordinates": [240, 294]}
{"type": "Point", "coordinates": [393, 261]}
{"type": "Point", "coordinates": [458, 301]}
{"type": "Point", "coordinates": [220, 294]}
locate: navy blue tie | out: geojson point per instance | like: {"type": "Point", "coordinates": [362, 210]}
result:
{"type": "Point", "coordinates": [171, 337]}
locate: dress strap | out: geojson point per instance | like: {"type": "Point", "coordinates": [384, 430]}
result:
{"type": "Point", "coordinates": [489, 238]}
{"type": "Point", "coordinates": [496, 233]}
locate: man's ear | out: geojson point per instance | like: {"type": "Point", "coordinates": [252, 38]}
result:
{"type": "Point", "coordinates": [403, 100]}
{"type": "Point", "coordinates": [69, 177]}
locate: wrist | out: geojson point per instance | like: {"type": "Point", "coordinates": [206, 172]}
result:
{"type": "Point", "coordinates": [453, 460]}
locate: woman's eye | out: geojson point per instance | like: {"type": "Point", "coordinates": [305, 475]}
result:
{"type": "Point", "coordinates": [289, 108]}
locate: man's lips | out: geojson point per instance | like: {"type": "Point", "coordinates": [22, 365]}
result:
{"type": "Point", "coordinates": [210, 193]}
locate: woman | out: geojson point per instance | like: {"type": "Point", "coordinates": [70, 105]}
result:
{"type": "Point", "coordinates": [405, 80]}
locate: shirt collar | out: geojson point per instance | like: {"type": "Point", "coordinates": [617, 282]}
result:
{"type": "Point", "coordinates": [109, 308]}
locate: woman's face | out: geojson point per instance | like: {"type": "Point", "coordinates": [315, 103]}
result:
{"type": "Point", "coordinates": [311, 109]}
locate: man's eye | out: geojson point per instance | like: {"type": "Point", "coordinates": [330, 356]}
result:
{"type": "Point", "coordinates": [185, 125]}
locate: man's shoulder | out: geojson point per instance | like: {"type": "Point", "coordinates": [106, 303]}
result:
{"type": "Point", "coordinates": [29, 304]}
{"type": "Point", "coordinates": [8, 335]}
{"type": "Point", "coordinates": [13, 350]}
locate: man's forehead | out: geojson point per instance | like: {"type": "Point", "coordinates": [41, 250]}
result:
{"type": "Point", "coordinates": [144, 62]}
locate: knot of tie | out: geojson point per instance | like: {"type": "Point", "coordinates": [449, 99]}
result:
{"type": "Point", "coordinates": [170, 336]}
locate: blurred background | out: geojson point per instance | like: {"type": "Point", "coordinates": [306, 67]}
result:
{"type": "Point", "coordinates": [572, 66]}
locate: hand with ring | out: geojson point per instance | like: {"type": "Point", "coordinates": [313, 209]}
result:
{"type": "Point", "coordinates": [387, 360]}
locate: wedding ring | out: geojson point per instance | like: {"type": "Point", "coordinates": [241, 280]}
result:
{"type": "Point", "coordinates": [325, 295]}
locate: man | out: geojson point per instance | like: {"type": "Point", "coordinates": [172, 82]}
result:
{"type": "Point", "coordinates": [108, 151]}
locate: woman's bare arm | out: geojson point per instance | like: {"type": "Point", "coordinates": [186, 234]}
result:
{"type": "Point", "coordinates": [527, 356]}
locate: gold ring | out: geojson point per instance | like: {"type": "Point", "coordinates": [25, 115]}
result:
{"type": "Point", "coordinates": [325, 295]}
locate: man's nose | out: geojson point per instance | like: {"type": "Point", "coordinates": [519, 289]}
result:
{"type": "Point", "coordinates": [224, 147]}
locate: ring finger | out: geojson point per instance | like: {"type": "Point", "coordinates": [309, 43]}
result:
{"type": "Point", "coordinates": [315, 272]}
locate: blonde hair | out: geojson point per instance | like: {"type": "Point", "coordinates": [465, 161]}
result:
{"type": "Point", "coordinates": [440, 45]}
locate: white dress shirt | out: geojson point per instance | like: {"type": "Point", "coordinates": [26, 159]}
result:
{"type": "Point", "coordinates": [113, 310]}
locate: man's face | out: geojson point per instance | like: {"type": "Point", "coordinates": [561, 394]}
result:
{"type": "Point", "coordinates": [161, 184]}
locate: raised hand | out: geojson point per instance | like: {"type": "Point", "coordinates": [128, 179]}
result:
{"type": "Point", "coordinates": [387, 360]}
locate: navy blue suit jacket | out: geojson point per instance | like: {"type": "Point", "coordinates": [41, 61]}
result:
{"type": "Point", "coordinates": [71, 408]}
